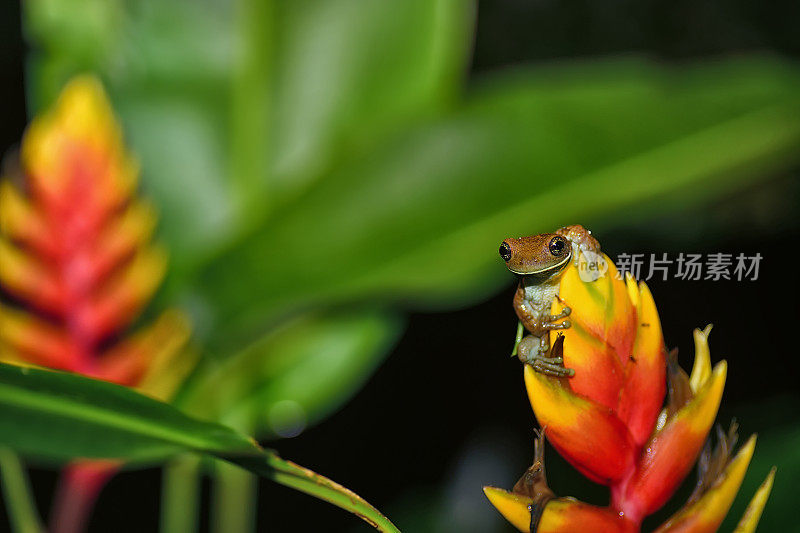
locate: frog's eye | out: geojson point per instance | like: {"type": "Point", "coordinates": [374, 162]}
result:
{"type": "Point", "coordinates": [505, 252]}
{"type": "Point", "coordinates": [558, 246]}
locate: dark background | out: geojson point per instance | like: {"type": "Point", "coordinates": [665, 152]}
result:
{"type": "Point", "coordinates": [447, 412]}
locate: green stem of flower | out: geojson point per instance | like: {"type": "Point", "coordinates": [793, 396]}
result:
{"type": "Point", "coordinates": [234, 499]}
{"type": "Point", "coordinates": [17, 492]}
{"type": "Point", "coordinates": [181, 495]}
{"type": "Point", "coordinates": [234, 493]}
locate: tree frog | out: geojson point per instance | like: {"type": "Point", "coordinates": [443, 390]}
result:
{"type": "Point", "coordinates": [540, 261]}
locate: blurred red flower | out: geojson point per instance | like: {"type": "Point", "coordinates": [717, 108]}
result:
{"type": "Point", "coordinates": [78, 267]}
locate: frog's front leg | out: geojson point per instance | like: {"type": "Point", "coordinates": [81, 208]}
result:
{"type": "Point", "coordinates": [534, 350]}
{"type": "Point", "coordinates": [549, 324]}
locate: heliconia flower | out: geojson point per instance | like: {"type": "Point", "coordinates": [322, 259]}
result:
{"type": "Point", "coordinates": [78, 267]}
{"type": "Point", "coordinates": [611, 423]}
{"type": "Point", "coordinates": [74, 248]}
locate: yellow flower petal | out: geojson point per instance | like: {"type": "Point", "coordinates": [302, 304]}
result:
{"type": "Point", "coordinates": [707, 513]}
{"type": "Point", "coordinates": [754, 509]}
{"type": "Point", "coordinates": [602, 307]}
{"type": "Point", "coordinates": [645, 381]}
{"type": "Point", "coordinates": [171, 360]}
{"type": "Point", "coordinates": [513, 507]}
{"type": "Point", "coordinates": [633, 290]}
{"type": "Point", "coordinates": [599, 345]}
{"type": "Point", "coordinates": [560, 515]}
{"type": "Point", "coordinates": [672, 451]}
{"type": "Point", "coordinates": [125, 294]}
{"type": "Point", "coordinates": [701, 370]}
{"type": "Point", "coordinates": [25, 277]}
{"type": "Point", "coordinates": [27, 336]}
{"type": "Point", "coordinates": [19, 221]}
{"type": "Point", "coordinates": [585, 433]}
{"type": "Point", "coordinates": [81, 120]}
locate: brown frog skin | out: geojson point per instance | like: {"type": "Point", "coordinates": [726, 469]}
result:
{"type": "Point", "coordinates": [540, 261]}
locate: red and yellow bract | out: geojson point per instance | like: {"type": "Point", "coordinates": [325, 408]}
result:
{"type": "Point", "coordinates": [610, 423]}
{"type": "Point", "coordinates": [75, 255]}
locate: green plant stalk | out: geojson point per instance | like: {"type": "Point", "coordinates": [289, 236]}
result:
{"type": "Point", "coordinates": [235, 491]}
{"type": "Point", "coordinates": [17, 492]}
{"type": "Point", "coordinates": [250, 99]}
{"type": "Point", "coordinates": [518, 338]}
{"type": "Point", "coordinates": [234, 499]}
{"type": "Point", "coordinates": [180, 495]}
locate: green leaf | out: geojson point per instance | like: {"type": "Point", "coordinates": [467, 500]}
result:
{"type": "Point", "coordinates": [54, 415]}
{"type": "Point", "coordinates": [296, 374]}
{"type": "Point", "coordinates": [62, 416]}
{"type": "Point", "coordinates": [591, 143]}
{"type": "Point", "coordinates": [350, 72]}
{"type": "Point", "coordinates": [234, 107]}
{"type": "Point", "coordinates": [167, 67]}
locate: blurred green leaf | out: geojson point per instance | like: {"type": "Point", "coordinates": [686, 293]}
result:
{"type": "Point", "coordinates": [593, 142]}
{"type": "Point", "coordinates": [167, 66]}
{"type": "Point", "coordinates": [57, 415]}
{"type": "Point", "coordinates": [296, 374]}
{"type": "Point", "coordinates": [203, 102]}
{"type": "Point", "coordinates": [349, 72]}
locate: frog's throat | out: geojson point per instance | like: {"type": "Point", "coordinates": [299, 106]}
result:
{"type": "Point", "coordinates": [544, 274]}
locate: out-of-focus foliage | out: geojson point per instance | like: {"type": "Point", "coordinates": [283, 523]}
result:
{"type": "Point", "coordinates": [304, 80]}
{"type": "Point", "coordinates": [54, 415]}
{"type": "Point", "coordinates": [300, 370]}
{"type": "Point", "coordinates": [306, 154]}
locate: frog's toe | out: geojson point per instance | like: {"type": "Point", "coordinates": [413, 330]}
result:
{"type": "Point", "coordinates": [565, 312]}
{"type": "Point", "coordinates": [557, 325]}
{"type": "Point", "coordinates": [552, 369]}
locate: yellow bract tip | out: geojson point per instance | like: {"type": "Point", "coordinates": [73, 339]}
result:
{"type": "Point", "coordinates": [754, 509]}
{"type": "Point", "coordinates": [80, 123]}
{"type": "Point", "coordinates": [708, 512]}
{"type": "Point", "coordinates": [633, 290]}
{"type": "Point", "coordinates": [513, 507]}
{"type": "Point", "coordinates": [172, 360]}
{"type": "Point", "coordinates": [701, 370]}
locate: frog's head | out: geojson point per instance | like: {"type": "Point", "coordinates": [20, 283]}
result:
{"type": "Point", "coordinates": [540, 255]}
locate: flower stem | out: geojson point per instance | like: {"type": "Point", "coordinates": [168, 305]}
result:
{"type": "Point", "coordinates": [234, 499]}
{"type": "Point", "coordinates": [17, 492]}
{"type": "Point", "coordinates": [180, 495]}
